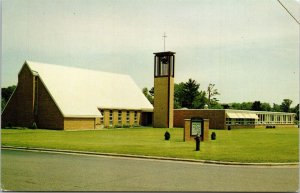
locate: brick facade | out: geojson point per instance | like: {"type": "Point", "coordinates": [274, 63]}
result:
{"type": "Point", "coordinates": [163, 102]}
{"type": "Point", "coordinates": [31, 103]}
{"type": "Point", "coordinates": [128, 117]}
{"type": "Point", "coordinates": [216, 118]}
{"type": "Point", "coordinates": [187, 130]}
{"type": "Point", "coordinates": [79, 123]}
{"type": "Point", "coordinates": [48, 114]}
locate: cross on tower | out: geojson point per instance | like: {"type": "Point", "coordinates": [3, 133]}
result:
{"type": "Point", "coordinates": [164, 36]}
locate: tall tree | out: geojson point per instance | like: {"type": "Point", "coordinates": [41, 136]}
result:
{"type": "Point", "coordinates": [256, 106]}
{"type": "Point", "coordinates": [178, 95]}
{"type": "Point", "coordinates": [190, 92]}
{"type": "Point", "coordinates": [246, 105]}
{"type": "Point", "coordinates": [148, 95]}
{"type": "Point", "coordinates": [211, 93]}
{"type": "Point", "coordinates": [265, 107]}
{"type": "Point", "coordinates": [200, 100]}
{"type": "Point", "coordinates": [276, 108]}
{"type": "Point", "coordinates": [285, 105]}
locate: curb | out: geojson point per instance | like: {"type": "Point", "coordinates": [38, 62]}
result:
{"type": "Point", "coordinates": [148, 157]}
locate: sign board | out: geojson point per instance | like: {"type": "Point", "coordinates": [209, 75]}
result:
{"type": "Point", "coordinates": [196, 126]}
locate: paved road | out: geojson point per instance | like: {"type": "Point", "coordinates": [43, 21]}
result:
{"type": "Point", "coordinates": [36, 171]}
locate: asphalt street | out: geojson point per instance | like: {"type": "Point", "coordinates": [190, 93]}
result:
{"type": "Point", "coordinates": [40, 171]}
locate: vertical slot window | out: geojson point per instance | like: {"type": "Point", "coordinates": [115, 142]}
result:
{"type": "Point", "coordinates": [110, 117]}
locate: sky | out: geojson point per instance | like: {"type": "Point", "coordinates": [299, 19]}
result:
{"type": "Point", "coordinates": [248, 48]}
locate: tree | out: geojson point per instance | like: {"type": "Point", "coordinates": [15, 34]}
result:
{"type": "Point", "coordinates": [211, 92]}
{"type": "Point", "coordinates": [148, 95]}
{"type": "Point", "coordinates": [265, 107]}
{"type": "Point", "coordinates": [296, 111]}
{"type": "Point", "coordinates": [200, 100]}
{"type": "Point", "coordinates": [190, 92]}
{"type": "Point", "coordinates": [236, 106]}
{"type": "Point", "coordinates": [246, 105]}
{"type": "Point", "coordinates": [187, 94]}
{"type": "Point", "coordinates": [151, 91]}
{"type": "Point", "coordinates": [6, 94]}
{"type": "Point", "coordinates": [276, 108]}
{"type": "Point", "coordinates": [178, 95]}
{"type": "Point", "coordinates": [256, 106]}
{"type": "Point", "coordinates": [285, 105]}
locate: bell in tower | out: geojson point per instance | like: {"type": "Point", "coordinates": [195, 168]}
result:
{"type": "Point", "coordinates": [163, 89]}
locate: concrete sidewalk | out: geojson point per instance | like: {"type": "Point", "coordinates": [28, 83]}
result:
{"type": "Point", "coordinates": [292, 164]}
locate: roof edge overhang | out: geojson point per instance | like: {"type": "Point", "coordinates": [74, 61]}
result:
{"type": "Point", "coordinates": [83, 116]}
{"type": "Point", "coordinates": [126, 108]}
{"type": "Point", "coordinates": [169, 53]}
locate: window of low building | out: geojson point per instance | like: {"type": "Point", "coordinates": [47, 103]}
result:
{"type": "Point", "coordinates": [128, 117]}
{"type": "Point", "coordinates": [110, 117]}
{"type": "Point", "coordinates": [120, 117]}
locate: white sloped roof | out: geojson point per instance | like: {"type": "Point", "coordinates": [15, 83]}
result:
{"type": "Point", "coordinates": [80, 92]}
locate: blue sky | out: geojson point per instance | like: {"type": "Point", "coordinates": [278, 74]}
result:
{"type": "Point", "coordinates": [249, 48]}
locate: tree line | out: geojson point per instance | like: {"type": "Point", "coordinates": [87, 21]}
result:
{"type": "Point", "coordinates": [189, 95]}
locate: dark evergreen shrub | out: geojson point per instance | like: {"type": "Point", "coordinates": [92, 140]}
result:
{"type": "Point", "coordinates": [213, 136]}
{"type": "Point", "coordinates": [167, 135]}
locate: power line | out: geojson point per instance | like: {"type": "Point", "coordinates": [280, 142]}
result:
{"type": "Point", "coordinates": [288, 11]}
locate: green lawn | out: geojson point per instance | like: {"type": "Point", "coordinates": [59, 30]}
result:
{"type": "Point", "coordinates": [243, 145]}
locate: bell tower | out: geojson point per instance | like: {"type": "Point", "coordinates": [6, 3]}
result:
{"type": "Point", "coordinates": [163, 89]}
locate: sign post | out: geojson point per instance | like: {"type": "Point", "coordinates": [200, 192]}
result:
{"type": "Point", "coordinates": [196, 126]}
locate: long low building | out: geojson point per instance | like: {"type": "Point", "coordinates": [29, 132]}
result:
{"type": "Point", "coordinates": [60, 97]}
{"type": "Point", "coordinates": [230, 118]}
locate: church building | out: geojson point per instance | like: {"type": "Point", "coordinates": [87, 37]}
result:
{"type": "Point", "coordinates": [59, 97]}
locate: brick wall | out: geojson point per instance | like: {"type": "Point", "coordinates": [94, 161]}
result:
{"type": "Point", "coordinates": [49, 116]}
{"type": "Point", "coordinates": [161, 100]}
{"type": "Point", "coordinates": [216, 117]}
{"type": "Point", "coordinates": [79, 123]}
{"type": "Point", "coordinates": [19, 110]}
{"type": "Point", "coordinates": [187, 130]}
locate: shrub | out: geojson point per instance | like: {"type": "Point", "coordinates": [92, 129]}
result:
{"type": "Point", "coordinates": [34, 126]}
{"type": "Point", "coordinates": [167, 135]}
{"type": "Point", "coordinates": [118, 126]}
{"type": "Point", "coordinates": [126, 126]}
{"type": "Point", "coordinates": [213, 136]}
